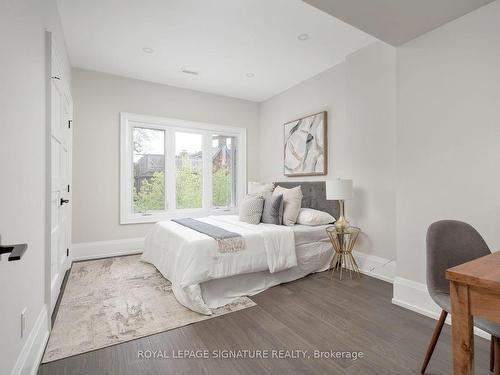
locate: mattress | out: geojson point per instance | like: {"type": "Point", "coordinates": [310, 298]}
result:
{"type": "Point", "coordinates": [306, 234]}
{"type": "Point", "coordinates": [314, 254]}
{"type": "Point", "coordinates": [188, 258]}
{"type": "Point", "coordinates": [203, 279]}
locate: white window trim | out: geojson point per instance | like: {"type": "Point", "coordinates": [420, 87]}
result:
{"type": "Point", "coordinates": [129, 120]}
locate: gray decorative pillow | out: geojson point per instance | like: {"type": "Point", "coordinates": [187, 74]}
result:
{"type": "Point", "coordinates": [251, 209]}
{"type": "Point", "coordinates": [292, 200]}
{"type": "Point", "coordinates": [273, 209]}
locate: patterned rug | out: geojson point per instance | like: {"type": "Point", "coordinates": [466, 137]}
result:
{"type": "Point", "coordinates": [113, 300]}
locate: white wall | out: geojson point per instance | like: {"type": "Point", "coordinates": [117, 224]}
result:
{"type": "Point", "coordinates": [359, 95]}
{"type": "Point", "coordinates": [449, 132]}
{"type": "Point", "coordinates": [448, 135]}
{"type": "Point", "coordinates": [98, 100]}
{"type": "Point", "coordinates": [22, 171]}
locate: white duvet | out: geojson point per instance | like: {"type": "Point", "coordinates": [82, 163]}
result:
{"type": "Point", "coordinates": [188, 258]}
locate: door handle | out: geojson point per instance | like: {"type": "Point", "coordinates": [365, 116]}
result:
{"type": "Point", "coordinates": [64, 201]}
{"type": "Point", "coordinates": [16, 251]}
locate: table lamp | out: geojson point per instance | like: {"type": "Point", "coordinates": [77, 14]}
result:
{"type": "Point", "coordinates": [339, 190]}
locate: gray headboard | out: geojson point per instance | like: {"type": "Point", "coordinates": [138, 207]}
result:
{"type": "Point", "coordinates": [314, 196]}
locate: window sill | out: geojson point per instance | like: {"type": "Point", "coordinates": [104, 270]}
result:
{"type": "Point", "coordinates": [163, 216]}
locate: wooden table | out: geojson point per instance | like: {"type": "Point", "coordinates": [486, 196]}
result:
{"type": "Point", "coordinates": [474, 290]}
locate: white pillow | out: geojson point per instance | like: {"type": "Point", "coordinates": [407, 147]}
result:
{"type": "Point", "coordinates": [258, 188]}
{"type": "Point", "coordinates": [292, 199]}
{"type": "Point", "coordinates": [308, 216]}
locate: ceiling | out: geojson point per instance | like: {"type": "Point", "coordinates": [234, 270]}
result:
{"type": "Point", "coordinates": [397, 21]}
{"type": "Point", "coordinates": [222, 40]}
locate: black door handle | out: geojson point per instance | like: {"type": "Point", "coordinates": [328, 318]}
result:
{"type": "Point", "coordinates": [64, 201]}
{"type": "Point", "coordinates": [16, 251]}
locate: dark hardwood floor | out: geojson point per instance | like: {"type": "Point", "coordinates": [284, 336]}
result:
{"type": "Point", "coordinates": [314, 313]}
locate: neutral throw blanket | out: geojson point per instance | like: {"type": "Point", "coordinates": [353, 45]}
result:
{"type": "Point", "coordinates": [226, 241]}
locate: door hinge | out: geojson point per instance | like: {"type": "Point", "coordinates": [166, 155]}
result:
{"type": "Point", "coordinates": [69, 123]}
{"type": "Point", "coordinates": [67, 252]}
{"type": "Point", "coordinates": [68, 188]}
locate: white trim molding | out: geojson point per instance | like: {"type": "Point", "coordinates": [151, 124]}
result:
{"type": "Point", "coordinates": [371, 265]}
{"type": "Point", "coordinates": [374, 266]}
{"type": "Point", "coordinates": [31, 354]}
{"type": "Point", "coordinates": [105, 249]}
{"type": "Point", "coordinates": [414, 296]}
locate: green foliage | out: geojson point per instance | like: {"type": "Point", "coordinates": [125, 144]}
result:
{"type": "Point", "coordinates": [152, 193]}
{"type": "Point", "coordinates": [188, 185]}
{"type": "Point", "coordinates": [188, 188]}
{"type": "Point", "coordinates": [221, 190]}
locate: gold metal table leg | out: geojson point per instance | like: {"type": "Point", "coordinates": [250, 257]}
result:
{"type": "Point", "coordinates": [343, 242]}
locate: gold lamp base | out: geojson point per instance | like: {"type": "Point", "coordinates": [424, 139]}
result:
{"type": "Point", "coordinates": [342, 223]}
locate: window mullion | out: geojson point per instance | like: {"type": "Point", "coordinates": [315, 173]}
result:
{"type": "Point", "coordinates": [170, 169]}
{"type": "Point", "coordinates": [129, 167]}
{"type": "Point", "coordinates": [207, 170]}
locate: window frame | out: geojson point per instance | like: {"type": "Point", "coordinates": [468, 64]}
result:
{"type": "Point", "coordinates": [130, 120]}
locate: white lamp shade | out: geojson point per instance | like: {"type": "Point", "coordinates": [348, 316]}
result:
{"type": "Point", "coordinates": [338, 189]}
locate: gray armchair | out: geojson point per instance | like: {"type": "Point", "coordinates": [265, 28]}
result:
{"type": "Point", "coordinates": [450, 243]}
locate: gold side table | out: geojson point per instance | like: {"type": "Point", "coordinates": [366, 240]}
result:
{"type": "Point", "coordinates": [343, 241]}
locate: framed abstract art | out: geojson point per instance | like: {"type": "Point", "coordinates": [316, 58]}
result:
{"type": "Point", "coordinates": [305, 146]}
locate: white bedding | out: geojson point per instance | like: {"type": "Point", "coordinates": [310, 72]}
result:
{"type": "Point", "coordinates": [311, 257]}
{"type": "Point", "coordinates": [188, 258]}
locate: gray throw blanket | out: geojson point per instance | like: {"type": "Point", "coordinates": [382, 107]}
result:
{"type": "Point", "coordinates": [227, 241]}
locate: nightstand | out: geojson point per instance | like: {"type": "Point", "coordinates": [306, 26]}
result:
{"type": "Point", "coordinates": [343, 241]}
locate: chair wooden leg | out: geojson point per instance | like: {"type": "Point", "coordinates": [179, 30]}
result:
{"type": "Point", "coordinates": [496, 348]}
{"type": "Point", "coordinates": [492, 353]}
{"type": "Point", "coordinates": [435, 337]}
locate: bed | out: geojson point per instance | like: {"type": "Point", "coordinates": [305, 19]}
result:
{"type": "Point", "coordinates": [203, 278]}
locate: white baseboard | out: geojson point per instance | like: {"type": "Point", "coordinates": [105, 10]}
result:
{"type": "Point", "coordinates": [414, 296]}
{"type": "Point", "coordinates": [104, 249]}
{"type": "Point", "coordinates": [380, 268]}
{"type": "Point", "coordinates": [31, 354]}
{"type": "Point", "coordinates": [374, 266]}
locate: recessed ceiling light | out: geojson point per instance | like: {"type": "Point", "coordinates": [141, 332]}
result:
{"type": "Point", "coordinates": [303, 37]}
{"type": "Point", "coordinates": [250, 75]}
{"type": "Point", "coordinates": [148, 50]}
{"type": "Point", "coordinates": [192, 72]}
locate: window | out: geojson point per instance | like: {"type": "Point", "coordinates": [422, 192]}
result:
{"type": "Point", "coordinates": [174, 168]}
{"type": "Point", "coordinates": [223, 170]}
{"type": "Point", "coordinates": [148, 190]}
{"type": "Point", "coordinates": [188, 170]}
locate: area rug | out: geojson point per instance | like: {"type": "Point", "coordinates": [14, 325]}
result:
{"type": "Point", "coordinates": [113, 300]}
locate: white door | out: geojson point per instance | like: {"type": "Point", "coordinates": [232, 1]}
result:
{"type": "Point", "coordinates": [61, 143]}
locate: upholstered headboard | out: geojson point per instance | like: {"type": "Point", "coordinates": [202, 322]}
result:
{"type": "Point", "coordinates": [314, 196]}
